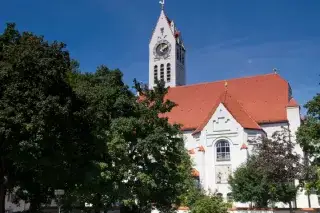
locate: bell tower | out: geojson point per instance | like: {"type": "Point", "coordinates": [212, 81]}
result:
{"type": "Point", "coordinates": [166, 53]}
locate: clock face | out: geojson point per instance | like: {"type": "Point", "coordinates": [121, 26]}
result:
{"type": "Point", "coordinates": [162, 49]}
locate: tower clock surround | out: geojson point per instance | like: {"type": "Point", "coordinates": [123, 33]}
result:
{"type": "Point", "coordinates": [166, 53]}
{"type": "Point", "coordinates": [162, 49]}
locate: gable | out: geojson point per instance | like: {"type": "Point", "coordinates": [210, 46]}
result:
{"type": "Point", "coordinates": [163, 23]}
{"type": "Point", "coordinates": [264, 99]}
{"type": "Point", "coordinates": [222, 120]}
{"type": "Point", "coordinates": [227, 106]}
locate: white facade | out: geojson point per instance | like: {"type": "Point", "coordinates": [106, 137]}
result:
{"type": "Point", "coordinates": [166, 54]}
{"type": "Point", "coordinates": [222, 129]}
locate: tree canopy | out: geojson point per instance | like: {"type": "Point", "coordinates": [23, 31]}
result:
{"type": "Point", "coordinates": [86, 133]}
{"type": "Point", "coordinates": [269, 174]}
{"type": "Point", "coordinates": [308, 136]}
{"type": "Point", "coordinates": [210, 204]}
{"type": "Point", "coordinates": [143, 160]}
{"type": "Point", "coordinates": [41, 127]}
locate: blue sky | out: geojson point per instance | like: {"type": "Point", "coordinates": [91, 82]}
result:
{"type": "Point", "coordinates": [224, 39]}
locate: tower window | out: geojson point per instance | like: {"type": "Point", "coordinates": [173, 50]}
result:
{"type": "Point", "coordinates": [155, 73]}
{"type": "Point", "coordinates": [162, 71]}
{"type": "Point", "coordinates": [182, 57]}
{"type": "Point", "coordinates": [168, 72]}
{"type": "Point", "coordinates": [178, 53]}
{"type": "Point", "coordinates": [223, 150]}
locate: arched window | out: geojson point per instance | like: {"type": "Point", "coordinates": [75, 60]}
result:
{"type": "Point", "coordinates": [162, 71]}
{"type": "Point", "coordinates": [223, 150]}
{"type": "Point", "coordinates": [168, 72]}
{"type": "Point", "coordinates": [229, 197]}
{"type": "Point", "coordinates": [155, 73]}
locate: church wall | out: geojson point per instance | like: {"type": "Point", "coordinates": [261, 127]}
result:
{"type": "Point", "coordinates": [222, 126]}
{"type": "Point", "coordinates": [273, 127]}
{"type": "Point", "coordinates": [214, 170]}
{"type": "Point", "coordinates": [293, 115]}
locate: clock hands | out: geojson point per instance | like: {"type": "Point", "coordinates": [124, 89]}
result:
{"type": "Point", "coordinates": [163, 48]}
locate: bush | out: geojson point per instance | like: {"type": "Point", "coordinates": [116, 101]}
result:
{"type": "Point", "coordinates": [210, 204]}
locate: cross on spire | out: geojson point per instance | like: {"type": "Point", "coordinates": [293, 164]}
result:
{"type": "Point", "coordinates": [161, 2]}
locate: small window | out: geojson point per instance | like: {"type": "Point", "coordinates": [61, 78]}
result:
{"type": "Point", "coordinates": [178, 53]}
{"type": "Point", "coordinates": [182, 57]}
{"type": "Point", "coordinates": [162, 72]}
{"type": "Point", "coordinates": [155, 72]}
{"type": "Point", "coordinates": [168, 72]}
{"type": "Point", "coordinates": [223, 150]}
{"type": "Point", "coordinates": [229, 197]}
{"type": "Point", "coordinates": [219, 195]}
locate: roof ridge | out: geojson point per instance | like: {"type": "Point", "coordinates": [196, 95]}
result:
{"type": "Point", "coordinates": [231, 79]}
{"type": "Point", "coordinates": [292, 102]}
{"type": "Point", "coordinates": [209, 115]}
{"type": "Point", "coordinates": [222, 100]}
{"type": "Point", "coordinates": [244, 110]}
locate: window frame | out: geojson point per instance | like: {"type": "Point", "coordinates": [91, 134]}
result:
{"type": "Point", "coordinates": [225, 155]}
{"type": "Point", "coordinates": [162, 72]}
{"type": "Point", "coordinates": [168, 73]}
{"type": "Point", "coordinates": [155, 73]}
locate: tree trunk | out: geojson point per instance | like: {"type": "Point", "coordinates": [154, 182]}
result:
{"type": "Point", "coordinates": [2, 197]}
{"type": "Point", "coordinates": [35, 206]}
{"type": "Point", "coordinates": [290, 207]}
{"type": "Point", "coordinates": [3, 182]}
{"type": "Point", "coordinates": [262, 204]}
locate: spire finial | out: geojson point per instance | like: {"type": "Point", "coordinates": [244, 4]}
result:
{"type": "Point", "coordinates": [161, 2]}
{"type": "Point", "coordinates": [275, 70]}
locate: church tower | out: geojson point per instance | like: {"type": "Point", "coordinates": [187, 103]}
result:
{"type": "Point", "coordinates": [166, 53]}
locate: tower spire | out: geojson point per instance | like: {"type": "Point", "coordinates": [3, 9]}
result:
{"type": "Point", "coordinates": [161, 2]}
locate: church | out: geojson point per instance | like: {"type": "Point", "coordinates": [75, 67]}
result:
{"type": "Point", "coordinates": [220, 118]}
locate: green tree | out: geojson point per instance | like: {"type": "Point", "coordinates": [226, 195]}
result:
{"type": "Point", "coordinates": [210, 204]}
{"type": "Point", "coordinates": [41, 127]}
{"type": "Point", "coordinates": [192, 194]}
{"type": "Point", "coordinates": [143, 162]}
{"type": "Point", "coordinates": [250, 185]}
{"type": "Point", "coordinates": [270, 172]}
{"type": "Point", "coordinates": [308, 136]}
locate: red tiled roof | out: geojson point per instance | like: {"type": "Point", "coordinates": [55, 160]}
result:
{"type": "Point", "coordinates": [191, 151]}
{"type": "Point", "coordinates": [252, 101]}
{"type": "Point", "coordinates": [201, 149]}
{"type": "Point", "coordinates": [293, 103]}
{"type": "Point", "coordinates": [236, 111]}
{"type": "Point", "coordinates": [243, 146]}
{"type": "Point", "coordinates": [195, 173]}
